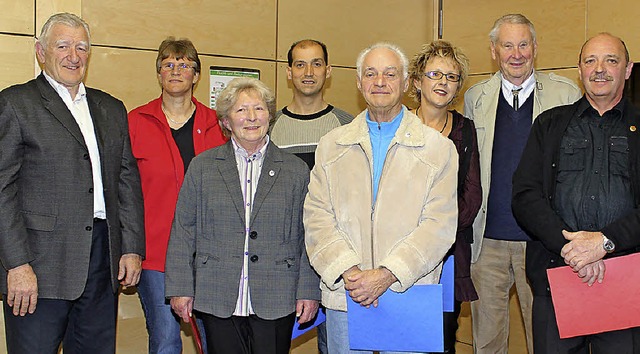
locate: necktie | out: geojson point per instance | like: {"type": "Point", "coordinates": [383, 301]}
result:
{"type": "Point", "coordinates": [515, 97]}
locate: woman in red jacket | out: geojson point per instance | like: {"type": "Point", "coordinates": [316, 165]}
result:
{"type": "Point", "coordinates": [166, 134]}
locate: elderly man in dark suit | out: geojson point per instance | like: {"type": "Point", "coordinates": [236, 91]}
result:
{"type": "Point", "coordinates": [236, 251]}
{"type": "Point", "coordinates": [71, 225]}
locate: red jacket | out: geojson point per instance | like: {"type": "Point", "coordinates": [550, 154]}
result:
{"type": "Point", "coordinates": [162, 170]}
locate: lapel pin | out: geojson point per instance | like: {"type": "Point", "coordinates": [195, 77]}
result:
{"type": "Point", "coordinates": [632, 128]}
{"type": "Point", "coordinates": [272, 173]}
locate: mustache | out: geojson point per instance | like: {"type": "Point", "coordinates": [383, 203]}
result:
{"type": "Point", "coordinates": [601, 76]}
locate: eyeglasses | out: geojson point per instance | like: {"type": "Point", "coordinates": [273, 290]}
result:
{"type": "Point", "coordinates": [437, 75]}
{"type": "Point", "coordinates": [179, 66]}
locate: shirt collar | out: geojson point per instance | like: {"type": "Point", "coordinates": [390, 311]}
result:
{"type": "Point", "coordinates": [63, 92]}
{"type": "Point", "coordinates": [527, 86]}
{"type": "Point", "coordinates": [584, 107]}
{"type": "Point", "coordinates": [385, 128]}
{"type": "Point", "coordinates": [242, 152]}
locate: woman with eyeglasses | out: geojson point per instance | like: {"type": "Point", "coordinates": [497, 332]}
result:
{"type": "Point", "coordinates": [437, 75]}
{"type": "Point", "coordinates": [166, 134]}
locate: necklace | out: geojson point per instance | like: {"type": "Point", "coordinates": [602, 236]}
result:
{"type": "Point", "coordinates": [174, 121]}
{"type": "Point", "coordinates": [446, 119]}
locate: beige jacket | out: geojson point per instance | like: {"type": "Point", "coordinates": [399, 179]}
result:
{"type": "Point", "coordinates": [413, 222]}
{"type": "Point", "coordinates": [481, 105]}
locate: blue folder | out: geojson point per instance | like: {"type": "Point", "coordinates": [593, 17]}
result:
{"type": "Point", "coordinates": [446, 279]}
{"type": "Point", "coordinates": [300, 329]}
{"type": "Point", "coordinates": [409, 321]}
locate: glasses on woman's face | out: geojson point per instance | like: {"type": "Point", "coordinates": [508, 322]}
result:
{"type": "Point", "coordinates": [180, 66]}
{"type": "Point", "coordinates": [437, 75]}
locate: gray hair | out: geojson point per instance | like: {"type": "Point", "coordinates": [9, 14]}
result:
{"type": "Point", "coordinates": [392, 47]}
{"type": "Point", "coordinates": [229, 96]}
{"type": "Point", "coordinates": [67, 19]}
{"type": "Point", "coordinates": [514, 19]}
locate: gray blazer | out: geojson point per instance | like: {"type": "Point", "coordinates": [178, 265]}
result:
{"type": "Point", "coordinates": [46, 184]}
{"type": "Point", "coordinates": [204, 258]}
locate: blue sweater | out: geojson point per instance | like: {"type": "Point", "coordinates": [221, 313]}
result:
{"type": "Point", "coordinates": [381, 135]}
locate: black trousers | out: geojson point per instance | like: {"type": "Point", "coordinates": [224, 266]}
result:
{"type": "Point", "coordinates": [83, 325]}
{"type": "Point", "coordinates": [546, 338]}
{"type": "Point", "coordinates": [248, 335]}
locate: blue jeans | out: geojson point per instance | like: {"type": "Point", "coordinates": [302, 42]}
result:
{"type": "Point", "coordinates": [163, 325]}
{"type": "Point", "coordinates": [338, 335]}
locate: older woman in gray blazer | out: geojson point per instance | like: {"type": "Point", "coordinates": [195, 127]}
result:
{"type": "Point", "coordinates": [236, 251]}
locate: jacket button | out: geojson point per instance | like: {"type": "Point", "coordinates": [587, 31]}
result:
{"type": "Point", "coordinates": [253, 235]}
{"type": "Point", "coordinates": [90, 190]}
{"type": "Point", "coordinates": [254, 258]}
{"type": "Point", "coordinates": [85, 156]}
{"type": "Point", "coordinates": [553, 165]}
{"type": "Point", "coordinates": [88, 228]}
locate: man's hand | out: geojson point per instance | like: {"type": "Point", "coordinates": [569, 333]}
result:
{"type": "Point", "coordinates": [592, 272]}
{"type": "Point", "coordinates": [129, 269]}
{"type": "Point", "coordinates": [182, 306]}
{"type": "Point", "coordinates": [584, 247]}
{"type": "Point", "coordinates": [366, 286]}
{"type": "Point", "coordinates": [22, 289]}
{"type": "Point", "coordinates": [306, 310]}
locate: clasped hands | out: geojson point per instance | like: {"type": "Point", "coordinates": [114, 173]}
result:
{"type": "Point", "coordinates": [366, 286]}
{"type": "Point", "coordinates": [584, 254]}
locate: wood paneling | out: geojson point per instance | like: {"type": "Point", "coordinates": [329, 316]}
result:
{"type": "Point", "coordinates": [130, 75]}
{"type": "Point", "coordinates": [620, 18]}
{"type": "Point", "coordinates": [17, 56]}
{"type": "Point", "coordinates": [46, 8]}
{"type": "Point", "coordinates": [560, 27]}
{"type": "Point", "coordinates": [244, 28]}
{"type": "Point", "coordinates": [347, 27]}
{"type": "Point", "coordinates": [16, 16]}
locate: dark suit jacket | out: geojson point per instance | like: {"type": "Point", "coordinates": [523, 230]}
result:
{"type": "Point", "coordinates": [204, 258]}
{"type": "Point", "coordinates": [46, 184]}
{"type": "Point", "coordinates": [534, 186]}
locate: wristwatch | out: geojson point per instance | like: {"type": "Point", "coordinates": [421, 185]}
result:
{"type": "Point", "coordinates": [607, 244]}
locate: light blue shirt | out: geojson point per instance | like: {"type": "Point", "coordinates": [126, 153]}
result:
{"type": "Point", "coordinates": [381, 135]}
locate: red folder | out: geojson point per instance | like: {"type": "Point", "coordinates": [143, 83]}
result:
{"type": "Point", "coordinates": [196, 334]}
{"type": "Point", "coordinates": [614, 304]}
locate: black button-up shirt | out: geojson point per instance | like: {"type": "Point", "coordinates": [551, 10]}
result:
{"type": "Point", "coordinates": [593, 186]}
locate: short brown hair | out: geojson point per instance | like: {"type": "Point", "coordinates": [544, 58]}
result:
{"type": "Point", "coordinates": [178, 48]}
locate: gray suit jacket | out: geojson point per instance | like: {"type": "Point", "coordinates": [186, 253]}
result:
{"type": "Point", "coordinates": [46, 203]}
{"type": "Point", "coordinates": [204, 258]}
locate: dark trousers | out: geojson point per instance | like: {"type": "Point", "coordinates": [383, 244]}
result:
{"type": "Point", "coordinates": [83, 325]}
{"type": "Point", "coordinates": [546, 338]}
{"type": "Point", "coordinates": [248, 335]}
{"type": "Point", "coordinates": [451, 327]}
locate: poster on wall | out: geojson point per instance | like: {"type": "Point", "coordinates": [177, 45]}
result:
{"type": "Point", "coordinates": [219, 77]}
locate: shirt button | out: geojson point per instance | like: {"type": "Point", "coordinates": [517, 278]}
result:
{"type": "Point", "coordinates": [90, 190]}
{"type": "Point", "coordinates": [254, 258]}
{"type": "Point", "coordinates": [593, 197]}
{"type": "Point", "coordinates": [553, 165]}
{"type": "Point", "coordinates": [88, 228]}
{"type": "Point", "coordinates": [85, 156]}
{"type": "Point", "coordinates": [253, 235]}
{"type": "Point", "coordinates": [596, 171]}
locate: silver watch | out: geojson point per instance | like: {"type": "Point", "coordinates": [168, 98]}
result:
{"type": "Point", "coordinates": [607, 244]}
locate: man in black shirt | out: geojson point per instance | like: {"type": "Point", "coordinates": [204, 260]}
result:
{"type": "Point", "coordinates": [576, 191]}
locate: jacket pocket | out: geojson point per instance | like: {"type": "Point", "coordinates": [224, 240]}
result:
{"type": "Point", "coordinates": [619, 156]}
{"type": "Point", "coordinates": [39, 222]}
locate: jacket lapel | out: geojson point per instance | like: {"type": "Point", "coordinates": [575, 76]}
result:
{"type": "Point", "coordinates": [229, 171]}
{"type": "Point", "coordinates": [268, 176]}
{"type": "Point", "coordinates": [53, 103]}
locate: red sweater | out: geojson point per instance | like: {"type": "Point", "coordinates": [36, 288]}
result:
{"type": "Point", "coordinates": [162, 170]}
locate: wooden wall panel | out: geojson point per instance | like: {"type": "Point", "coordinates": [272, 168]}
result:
{"type": "Point", "coordinates": [16, 16]}
{"type": "Point", "coordinates": [560, 27]}
{"type": "Point", "coordinates": [46, 8]}
{"type": "Point", "coordinates": [340, 90]}
{"type": "Point", "coordinates": [17, 56]}
{"type": "Point", "coordinates": [244, 28]}
{"type": "Point", "coordinates": [130, 75]}
{"type": "Point", "coordinates": [620, 18]}
{"type": "Point", "coordinates": [347, 27]}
